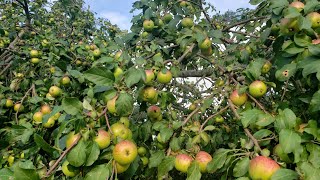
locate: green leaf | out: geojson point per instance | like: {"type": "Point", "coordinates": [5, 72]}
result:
{"type": "Point", "coordinates": [254, 68]}
{"type": "Point", "coordinates": [165, 166]}
{"type": "Point", "coordinates": [310, 66]}
{"type": "Point", "coordinates": [315, 102]}
{"type": "Point", "coordinates": [124, 104]}
{"type": "Point", "coordinates": [166, 134]}
{"type": "Point", "coordinates": [25, 174]}
{"type": "Point", "coordinates": [6, 174]}
{"type": "Point", "coordinates": [220, 157]}
{"type": "Point", "coordinates": [312, 128]}
{"type": "Point", "coordinates": [289, 140]}
{"type": "Point", "coordinates": [286, 72]}
{"type": "Point", "coordinates": [71, 105]}
{"type": "Point", "coordinates": [314, 156]}
{"type": "Point", "coordinates": [133, 76]}
{"type": "Point", "coordinates": [302, 40]}
{"type": "Point", "coordinates": [241, 168]}
{"type": "Point", "coordinates": [100, 172]}
{"type": "Point", "coordinates": [265, 120]}
{"type": "Point", "coordinates": [93, 153]}
{"type": "Point", "coordinates": [278, 5]}
{"type": "Point", "coordinates": [194, 171]}
{"type": "Point", "coordinates": [285, 120]}
{"type": "Point", "coordinates": [310, 172]}
{"type": "Point", "coordinates": [209, 128]}
{"type": "Point", "coordinates": [250, 117]}
{"type": "Point", "coordinates": [77, 156]}
{"type": "Point", "coordinates": [156, 158]}
{"type": "Point", "coordinates": [175, 144]}
{"type": "Point", "coordinates": [45, 146]}
{"type": "Point", "coordinates": [100, 76]}
{"type": "Point", "coordinates": [286, 174]}
{"type": "Point", "coordinates": [255, 2]}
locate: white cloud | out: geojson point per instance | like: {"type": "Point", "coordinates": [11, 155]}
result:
{"type": "Point", "coordinates": [225, 5]}
{"type": "Point", "coordinates": [117, 18]}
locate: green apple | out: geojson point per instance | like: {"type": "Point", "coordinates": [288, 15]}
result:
{"type": "Point", "coordinates": [289, 26]}
{"type": "Point", "coordinates": [9, 103]}
{"type": "Point", "coordinates": [167, 17]}
{"type": "Point", "coordinates": [142, 151]}
{"type": "Point", "coordinates": [145, 161]}
{"type": "Point", "coordinates": [121, 168]}
{"type": "Point", "coordinates": [149, 93]}
{"type": "Point", "coordinates": [257, 89]}
{"type": "Point", "coordinates": [34, 53]}
{"type": "Point", "coordinates": [203, 158]}
{"type": "Point", "coordinates": [192, 107]}
{"type": "Point", "coordinates": [96, 53]}
{"type": "Point", "coordinates": [149, 76]}
{"type": "Point", "coordinates": [35, 60]}
{"type": "Point", "coordinates": [164, 76]}
{"type": "Point", "coordinates": [69, 170]}
{"type": "Point", "coordinates": [37, 117]}
{"type": "Point", "coordinates": [187, 22]}
{"type": "Point", "coordinates": [205, 44]}
{"type": "Point", "coordinates": [117, 72]}
{"type": "Point", "coordinates": [125, 121]}
{"type": "Point", "coordinates": [111, 105]}
{"type": "Point", "coordinates": [118, 55]}
{"type": "Point", "coordinates": [65, 80]}
{"type": "Point", "coordinates": [219, 119]}
{"type": "Point", "coordinates": [125, 152]}
{"type": "Point", "coordinates": [50, 123]}
{"type": "Point", "coordinates": [119, 130]}
{"type": "Point", "coordinates": [238, 99]}
{"type": "Point", "coordinates": [182, 162]}
{"type": "Point", "coordinates": [71, 138]}
{"type": "Point", "coordinates": [148, 25]}
{"type": "Point", "coordinates": [55, 91]}
{"type": "Point", "coordinates": [207, 52]}
{"type": "Point", "coordinates": [262, 168]}
{"type": "Point", "coordinates": [18, 107]}
{"type": "Point", "coordinates": [314, 17]}
{"type": "Point", "coordinates": [266, 67]}
{"type": "Point", "coordinates": [103, 139]}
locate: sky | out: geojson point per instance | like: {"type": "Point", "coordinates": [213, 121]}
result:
{"type": "Point", "coordinates": [118, 11]}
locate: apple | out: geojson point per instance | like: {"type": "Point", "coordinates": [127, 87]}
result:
{"type": "Point", "coordinates": [289, 26]}
{"type": "Point", "coordinates": [50, 123]}
{"type": "Point", "coordinates": [262, 168]}
{"type": "Point", "coordinates": [37, 117]}
{"type": "Point", "coordinates": [148, 25]}
{"type": "Point", "coordinates": [35, 60]}
{"type": "Point", "coordinates": [55, 91]}
{"type": "Point", "coordinates": [238, 99]}
{"type": "Point", "coordinates": [71, 138]}
{"type": "Point", "coordinates": [265, 152]}
{"type": "Point", "coordinates": [298, 5]}
{"type": "Point", "coordinates": [182, 162]}
{"type": "Point", "coordinates": [34, 53]}
{"type": "Point", "coordinates": [45, 109]}
{"type": "Point", "coordinates": [154, 112]}
{"type": "Point", "coordinates": [219, 119]}
{"type": "Point", "coordinates": [65, 80]}
{"type": "Point", "coordinates": [93, 47]}
{"type": "Point", "coordinates": [56, 116]}
{"type": "Point", "coordinates": [149, 93]}
{"type": "Point", "coordinates": [266, 67]}
{"type": "Point", "coordinates": [142, 151]}
{"type": "Point", "coordinates": [183, 3]}
{"type": "Point", "coordinates": [18, 107]}
{"type": "Point", "coordinates": [278, 151]}
{"type": "Point", "coordinates": [206, 44]}
{"type": "Point", "coordinates": [149, 76]}
{"type": "Point", "coordinates": [164, 76]}
{"type": "Point", "coordinates": [96, 53]}
{"type": "Point", "coordinates": [119, 130]}
{"type": "Point", "coordinates": [257, 89]}
{"type": "Point", "coordinates": [314, 17]}
{"type": "Point", "coordinates": [10, 160]}
{"type": "Point", "coordinates": [167, 17]}
{"type": "Point", "coordinates": [316, 41]}
{"type": "Point", "coordinates": [125, 121]}
{"type": "Point", "coordinates": [125, 152]}
{"type": "Point", "coordinates": [52, 70]}
{"type": "Point", "coordinates": [192, 107]}
{"type": "Point", "coordinates": [144, 34]}
{"type": "Point", "coordinates": [117, 72]}
{"type": "Point", "coordinates": [203, 158]}
{"type": "Point", "coordinates": [102, 139]}
{"type": "Point", "coordinates": [207, 52]}
{"type": "Point", "coordinates": [44, 43]}
{"type": "Point", "coordinates": [145, 161]}
{"type": "Point", "coordinates": [187, 22]}
{"type": "Point", "coordinates": [111, 105]}
{"type": "Point", "coordinates": [67, 171]}
{"type": "Point", "coordinates": [9, 103]}
{"type": "Point", "coordinates": [118, 55]}
{"type": "Point", "coordinates": [121, 168]}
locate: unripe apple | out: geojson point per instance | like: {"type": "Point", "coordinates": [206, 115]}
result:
{"type": "Point", "coordinates": [207, 52]}
{"type": "Point", "coordinates": [93, 47]}
{"type": "Point", "coordinates": [266, 67]}
{"type": "Point", "coordinates": [154, 112]}
{"type": "Point", "coordinates": [257, 89]}
{"type": "Point", "coordinates": [34, 53]}
{"type": "Point", "coordinates": [265, 152]}
{"type": "Point", "coordinates": [45, 109]}
{"type": "Point", "coordinates": [111, 105]}
{"type": "Point", "coordinates": [35, 60]}
{"type": "Point", "coordinates": [187, 22]}
{"type": "Point", "coordinates": [96, 53]}
{"type": "Point", "coordinates": [121, 168]}
{"type": "Point", "coordinates": [9, 103]}
{"type": "Point", "coordinates": [183, 3]}
{"type": "Point", "coordinates": [55, 91]}
{"type": "Point", "coordinates": [18, 107]}
{"type": "Point", "coordinates": [289, 26]}
{"type": "Point", "coordinates": [219, 119]}
{"type": "Point", "coordinates": [71, 138]}
{"type": "Point", "coordinates": [192, 107]}
{"type": "Point", "coordinates": [148, 25]}
{"type": "Point", "coordinates": [102, 139]}
{"type": "Point", "coordinates": [167, 17]}
{"type": "Point", "coordinates": [206, 44]}
{"type": "Point", "coordinates": [125, 152]}
{"type": "Point", "coordinates": [145, 160]}
{"type": "Point", "coordinates": [37, 117]}
{"type": "Point", "coordinates": [117, 72]}
{"type": "Point", "coordinates": [298, 5]}
{"type": "Point", "coordinates": [314, 17]}
{"type": "Point", "coordinates": [50, 123]}
{"type": "Point", "coordinates": [203, 158]}
{"type": "Point", "coordinates": [262, 168]}
{"type": "Point", "coordinates": [149, 93]}
{"type": "Point", "coordinates": [68, 172]}
{"type": "Point", "coordinates": [119, 130]}
{"type": "Point", "coordinates": [118, 55]}
{"type": "Point", "coordinates": [142, 151]}
{"type": "Point", "coordinates": [10, 160]}
{"type": "Point", "coordinates": [238, 99]}
{"type": "Point", "coordinates": [182, 162]}
{"type": "Point", "coordinates": [65, 80]}
{"type": "Point", "coordinates": [164, 76]}
{"type": "Point", "coordinates": [149, 76]}
{"type": "Point", "coordinates": [44, 43]}
{"type": "Point", "coordinates": [125, 121]}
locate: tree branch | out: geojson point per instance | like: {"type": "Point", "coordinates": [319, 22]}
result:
{"type": "Point", "coordinates": [243, 22]}
{"type": "Point", "coordinates": [186, 53]}
{"type": "Point", "coordinates": [210, 117]}
{"type": "Point", "coordinates": [190, 116]}
{"type": "Point", "coordinates": [196, 73]}
{"type": "Point", "coordinates": [23, 98]}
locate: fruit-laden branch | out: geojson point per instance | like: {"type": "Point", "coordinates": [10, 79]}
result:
{"type": "Point", "coordinates": [212, 116]}
{"type": "Point", "coordinates": [253, 139]}
{"type": "Point", "coordinates": [243, 22]}
{"type": "Point", "coordinates": [62, 156]}
{"type": "Point", "coordinates": [107, 120]}
{"type": "Point", "coordinates": [196, 73]}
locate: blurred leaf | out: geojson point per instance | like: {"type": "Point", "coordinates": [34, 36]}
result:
{"type": "Point", "coordinates": [165, 166]}
{"type": "Point", "coordinates": [241, 168]}
{"type": "Point", "coordinates": [166, 134]}
{"type": "Point", "coordinates": [175, 144]}
{"type": "Point", "coordinates": [93, 153]}
{"type": "Point", "coordinates": [310, 172]}
{"type": "Point", "coordinates": [133, 76]}
{"type": "Point", "coordinates": [77, 156]}
{"type": "Point", "coordinates": [25, 174]}
{"type": "Point", "coordinates": [315, 102]}
{"type": "Point", "coordinates": [100, 172]}
{"type": "Point", "coordinates": [156, 158]}
{"type": "Point", "coordinates": [289, 140]}
{"type": "Point", "coordinates": [254, 68]}
{"type": "Point", "coordinates": [71, 105]}
{"type": "Point", "coordinates": [100, 76]}
{"type": "Point", "coordinates": [218, 160]}
{"type": "Point", "coordinates": [124, 104]}
{"type": "Point", "coordinates": [286, 119]}
{"type": "Point", "coordinates": [314, 157]}
{"type": "Point", "coordinates": [45, 146]}
{"type": "Point", "coordinates": [286, 174]}
{"type": "Point", "coordinates": [250, 116]}
{"type": "Point", "coordinates": [194, 171]}
{"type": "Point", "coordinates": [6, 174]}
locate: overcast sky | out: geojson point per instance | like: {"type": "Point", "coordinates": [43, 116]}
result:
{"type": "Point", "coordinates": [117, 11]}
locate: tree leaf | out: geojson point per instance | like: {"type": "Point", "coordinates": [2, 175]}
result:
{"type": "Point", "coordinates": [93, 153]}
{"type": "Point", "coordinates": [124, 104]}
{"type": "Point", "coordinates": [194, 171]}
{"type": "Point", "coordinates": [174, 144]}
{"type": "Point", "coordinates": [310, 66]}
{"type": "Point", "coordinates": [241, 167]}
{"type": "Point", "coordinates": [314, 157]}
{"type": "Point", "coordinates": [285, 120]}
{"type": "Point", "coordinates": [166, 134]}
{"type": "Point", "coordinates": [77, 156]}
{"type": "Point", "coordinates": [6, 174]}
{"type": "Point", "coordinates": [133, 76]}
{"type": "Point", "coordinates": [100, 172]}
{"type": "Point", "coordinates": [220, 157]}
{"type": "Point", "coordinates": [100, 76]}
{"type": "Point", "coordinates": [165, 166]}
{"type": "Point", "coordinates": [71, 105]}
{"type": "Point", "coordinates": [25, 174]}
{"type": "Point", "coordinates": [45, 146]}
{"type": "Point", "coordinates": [156, 158]}
{"type": "Point", "coordinates": [286, 72]}
{"type": "Point", "coordinates": [250, 117]}
{"type": "Point", "coordinates": [315, 102]}
{"type": "Point", "coordinates": [286, 174]}
{"type": "Point", "coordinates": [254, 68]}
{"type": "Point", "coordinates": [310, 172]}
{"type": "Point", "coordinates": [289, 140]}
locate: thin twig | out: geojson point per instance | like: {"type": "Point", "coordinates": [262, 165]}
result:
{"type": "Point", "coordinates": [210, 117]}
{"type": "Point", "coordinates": [284, 90]}
{"type": "Point", "coordinates": [186, 53]}
{"type": "Point", "coordinates": [258, 103]}
{"type": "Point", "coordinates": [107, 120]}
{"type": "Point", "coordinates": [190, 115]}
{"type": "Point", "coordinates": [5, 68]}
{"type": "Point", "coordinates": [243, 22]}
{"type": "Point", "coordinates": [62, 156]}
{"type": "Point", "coordinates": [21, 102]}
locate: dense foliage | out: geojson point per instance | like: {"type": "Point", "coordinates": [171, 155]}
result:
{"type": "Point", "coordinates": [82, 99]}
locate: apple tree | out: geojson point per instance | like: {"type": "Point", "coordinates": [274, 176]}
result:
{"type": "Point", "coordinates": [187, 93]}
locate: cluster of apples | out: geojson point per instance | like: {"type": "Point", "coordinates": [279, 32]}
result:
{"type": "Point", "coordinates": [4, 40]}
{"type": "Point", "coordinates": [44, 110]}
{"type": "Point", "coordinates": [183, 161]}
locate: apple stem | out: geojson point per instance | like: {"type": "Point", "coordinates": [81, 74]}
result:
{"type": "Point", "coordinates": [210, 117]}
{"type": "Point", "coordinates": [114, 170]}
{"type": "Point", "coordinates": [62, 156]}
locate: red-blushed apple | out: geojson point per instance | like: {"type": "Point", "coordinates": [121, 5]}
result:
{"type": "Point", "coordinates": [182, 162]}
{"type": "Point", "coordinates": [119, 130]}
{"type": "Point", "coordinates": [111, 105]}
{"type": "Point", "coordinates": [148, 93]}
{"type": "Point", "coordinates": [203, 158]}
{"type": "Point", "coordinates": [103, 139]}
{"type": "Point", "coordinates": [262, 168]}
{"type": "Point", "coordinates": [298, 5]}
{"type": "Point", "coordinates": [121, 168]}
{"type": "Point", "coordinates": [37, 117]}
{"type": "Point", "coordinates": [164, 76]}
{"type": "Point", "coordinates": [71, 138]}
{"type": "Point", "coordinates": [125, 152]}
{"type": "Point", "coordinates": [154, 112]}
{"type": "Point", "coordinates": [55, 91]}
{"type": "Point", "coordinates": [238, 99]}
{"type": "Point", "coordinates": [257, 89]}
{"type": "Point", "coordinates": [68, 171]}
{"type": "Point", "coordinates": [149, 76]}
{"type": "Point", "coordinates": [45, 109]}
